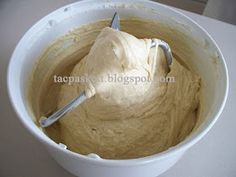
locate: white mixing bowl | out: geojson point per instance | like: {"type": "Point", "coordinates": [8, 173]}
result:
{"type": "Point", "coordinates": [212, 71]}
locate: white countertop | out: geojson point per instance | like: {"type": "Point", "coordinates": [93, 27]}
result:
{"type": "Point", "coordinates": [22, 156]}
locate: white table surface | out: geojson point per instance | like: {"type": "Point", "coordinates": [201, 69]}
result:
{"type": "Point", "coordinates": [22, 156]}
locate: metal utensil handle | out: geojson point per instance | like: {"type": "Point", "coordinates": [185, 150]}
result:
{"type": "Point", "coordinates": [45, 122]}
{"type": "Point", "coordinates": [115, 22]}
{"type": "Point", "coordinates": [165, 47]}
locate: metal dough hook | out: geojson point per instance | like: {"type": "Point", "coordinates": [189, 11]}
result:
{"type": "Point", "coordinates": [115, 24]}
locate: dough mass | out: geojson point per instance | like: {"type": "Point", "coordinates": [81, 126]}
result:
{"type": "Point", "coordinates": [121, 121]}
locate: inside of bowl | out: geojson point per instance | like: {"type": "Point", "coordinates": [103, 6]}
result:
{"type": "Point", "coordinates": [188, 42]}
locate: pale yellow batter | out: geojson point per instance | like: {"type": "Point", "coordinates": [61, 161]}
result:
{"type": "Point", "coordinates": [118, 121]}
{"type": "Point", "coordinates": [132, 120]}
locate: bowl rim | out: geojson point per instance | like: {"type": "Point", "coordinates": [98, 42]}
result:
{"type": "Point", "coordinates": [181, 147]}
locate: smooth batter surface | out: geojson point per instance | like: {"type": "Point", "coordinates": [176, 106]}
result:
{"type": "Point", "coordinates": [133, 120]}
{"type": "Point", "coordinates": [120, 121]}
